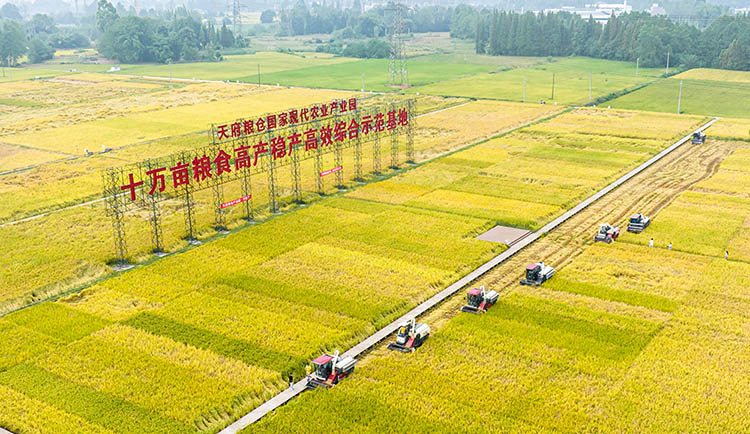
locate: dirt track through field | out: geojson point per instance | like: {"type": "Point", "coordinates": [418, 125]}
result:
{"type": "Point", "coordinates": [646, 189]}
{"type": "Point", "coordinates": [647, 193]}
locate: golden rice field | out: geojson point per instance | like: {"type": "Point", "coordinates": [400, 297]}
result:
{"type": "Point", "coordinates": [230, 318]}
{"type": "Point", "coordinates": [715, 75]}
{"type": "Point", "coordinates": [83, 245]}
{"type": "Point", "coordinates": [624, 338]}
{"type": "Point", "coordinates": [737, 129]}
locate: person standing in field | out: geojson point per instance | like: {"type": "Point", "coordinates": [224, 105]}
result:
{"type": "Point", "coordinates": [726, 254]}
{"type": "Point", "coordinates": [291, 380]}
{"type": "Point", "coordinates": [670, 246]}
{"type": "Point", "coordinates": [651, 243]}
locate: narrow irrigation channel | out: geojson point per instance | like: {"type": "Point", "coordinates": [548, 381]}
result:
{"type": "Point", "coordinates": [299, 387]}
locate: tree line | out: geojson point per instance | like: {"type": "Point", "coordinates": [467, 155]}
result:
{"type": "Point", "coordinates": [637, 35]}
{"type": "Point", "coordinates": [37, 37]}
{"type": "Point", "coordinates": [134, 39]}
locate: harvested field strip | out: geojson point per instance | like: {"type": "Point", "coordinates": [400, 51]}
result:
{"type": "Point", "coordinates": [555, 398]}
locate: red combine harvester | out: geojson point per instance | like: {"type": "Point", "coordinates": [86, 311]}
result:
{"type": "Point", "coordinates": [478, 300]}
{"type": "Point", "coordinates": [607, 233]}
{"type": "Point", "coordinates": [410, 336]}
{"type": "Point", "coordinates": [329, 370]}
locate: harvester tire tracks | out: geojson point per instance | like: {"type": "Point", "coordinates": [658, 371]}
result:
{"type": "Point", "coordinates": [448, 297]}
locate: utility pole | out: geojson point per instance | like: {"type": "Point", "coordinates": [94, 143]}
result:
{"type": "Point", "coordinates": [259, 75]}
{"type": "Point", "coordinates": [524, 89]}
{"type": "Point", "coordinates": [667, 72]}
{"type": "Point", "coordinates": [553, 86]}
{"type": "Point", "coordinates": [679, 98]}
{"type": "Point", "coordinates": [637, 63]}
{"type": "Point", "coordinates": [170, 74]}
{"type": "Point", "coordinates": [589, 86]}
{"type": "Point", "coordinates": [10, 70]}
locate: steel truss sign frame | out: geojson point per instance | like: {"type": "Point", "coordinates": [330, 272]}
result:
{"type": "Point", "coordinates": [240, 152]}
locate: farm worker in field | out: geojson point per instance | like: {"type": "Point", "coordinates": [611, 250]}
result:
{"type": "Point", "coordinates": [726, 254]}
{"type": "Point", "coordinates": [651, 243]}
{"type": "Point", "coordinates": [670, 245]}
{"type": "Point", "coordinates": [291, 380]}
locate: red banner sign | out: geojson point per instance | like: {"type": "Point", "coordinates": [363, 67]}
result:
{"type": "Point", "coordinates": [236, 201]}
{"type": "Point", "coordinates": [205, 167]}
{"type": "Point", "coordinates": [284, 119]}
{"type": "Point", "coordinates": [329, 171]}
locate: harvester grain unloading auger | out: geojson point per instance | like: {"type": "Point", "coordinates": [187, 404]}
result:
{"type": "Point", "coordinates": [536, 274]}
{"type": "Point", "coordinates": [638, 222]}
{"type": "Point", "coordinates": [327, 370]}
{"type": "Point", "coordinates": [607, 233]}
{"type": "Point", "coordinates": [411, 335]}
{"type": "Point", "coordinates": [478, 300]}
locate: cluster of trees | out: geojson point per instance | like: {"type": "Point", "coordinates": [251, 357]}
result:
{"type": "Point", "coordinates": [133, 39]}
{"type": "Point", "coordinates": [371, 49]}
{"type": "Point", "coordinates": [353, 23]}
{"type": "Point", "coordinates": [724, 44]}
{"type": "Point", "coordinates": [38, 37]}
{"type": "Point", "coordinates": [347, 24]}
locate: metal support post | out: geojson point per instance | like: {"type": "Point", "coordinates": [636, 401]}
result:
{"type": "Point", "coordinates": [272, 193]}
{"type": "Point", "coordinates": [412, 110]}
{"type": "Point", "coordinates": [247, 190]}
{"type": "Point", "coordinates": [189, 213]}
{"type": "Point", "coordinates": [358, 152]}
{"type": "Point", "coordinates": [376, 166]}
{"type": "Point", "coordinates": [116, 208]}
{"type": "Point", "coordinates": [394, 145]}
{"type": "Point", "coordinates": [296, 177]}
{"type": "Point", "coordinates": [157, 240]}
{"type": "Point", "coordinates": [219, 216]}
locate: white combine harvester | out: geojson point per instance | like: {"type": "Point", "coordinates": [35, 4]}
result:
{"type": "Point", "coordinates": [410, 336]}
{"type": "Point", "coordinates": [536, 274]}
{"type": "Point", "coordinates": [638, 222]}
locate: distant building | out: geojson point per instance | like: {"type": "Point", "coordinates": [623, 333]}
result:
{"type": "Point", "coordinates": [612, 8]}
{"type": "Point", "coordinates": [657, 10]}
{"type": "Point", "coordinates": [600, 12]}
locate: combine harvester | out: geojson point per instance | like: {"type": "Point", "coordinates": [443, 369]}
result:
{"type": "Point", "coordinates": [607, 233]}
{"type": "Point", "coordinates": [328, 370]}
{"type": "Point", "coordinates": [536, 274]}
{"type": "Point", "coordinates": [638, 222]}
{"type": "Point", "coordinates": [479, 300]}
{"type": "Point", "coordinates": [410, 336]}
{"type": "Point", "coordinates": [698, 138]}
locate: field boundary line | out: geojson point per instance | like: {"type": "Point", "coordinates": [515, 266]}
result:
{"type": "Point", "coordinates": [369, 342]}
{"type": "Point", "coordinates": [93, 201]}
{"type": "Point", "coordinates": [88, 284]}
{"type": "Point", "coordinates": [238, 83]}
